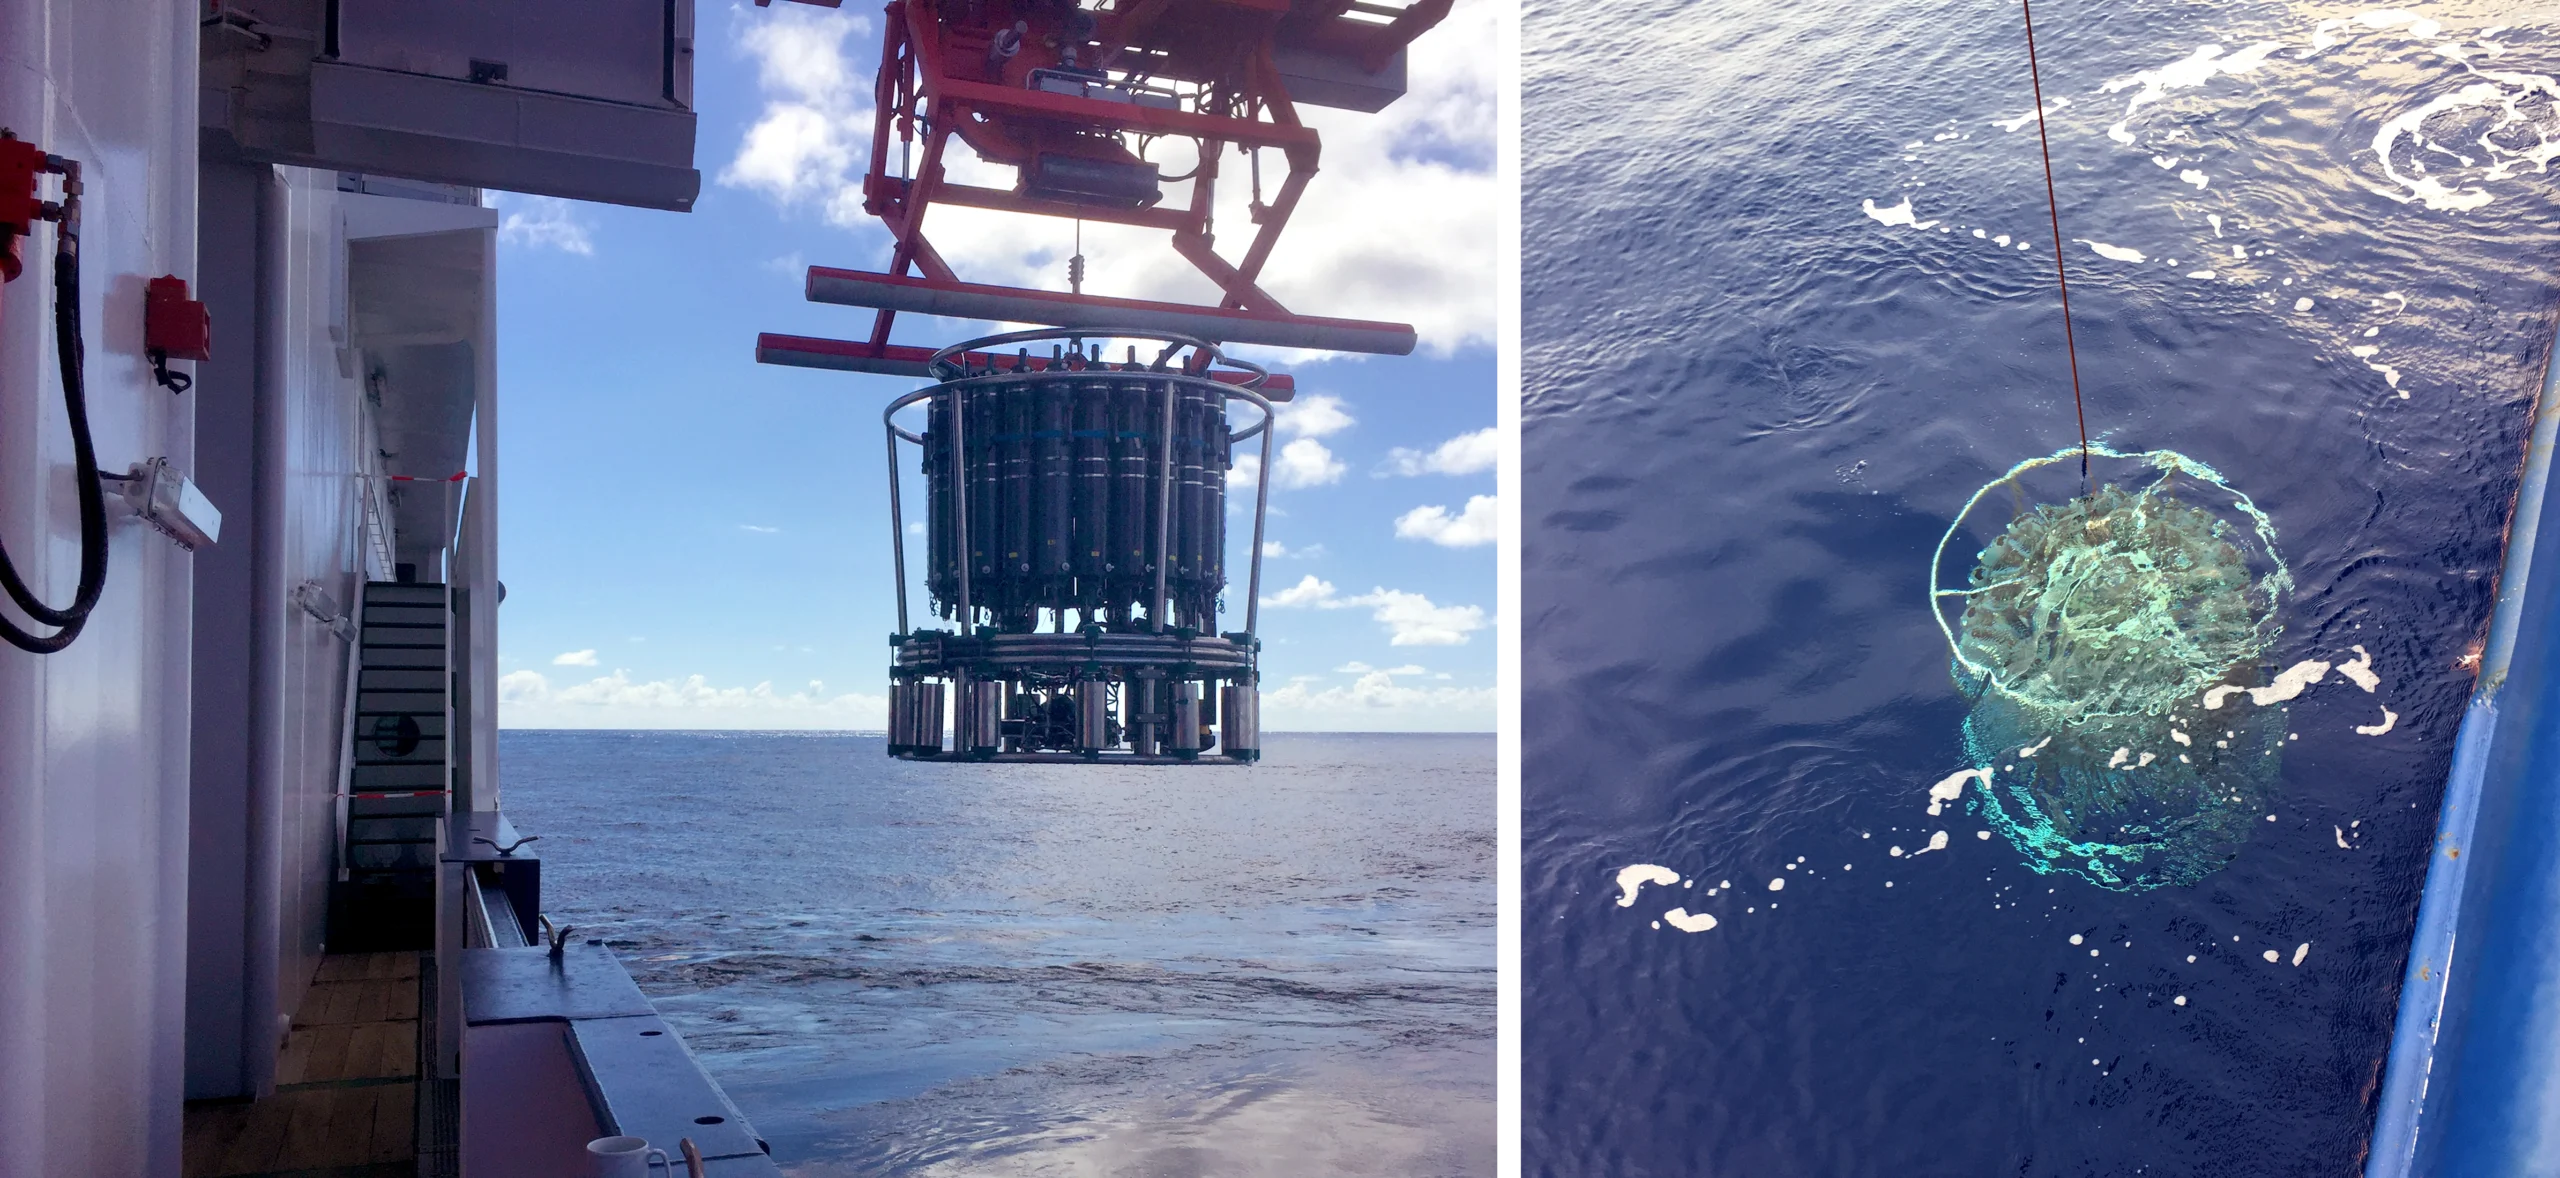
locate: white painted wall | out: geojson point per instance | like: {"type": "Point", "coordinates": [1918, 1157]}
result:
{"type": "Point", "coordinates": [226, 397]}
{"type": "Point", "coordinates": [151, 884]}
{"type": "Point", "coordinates": [93, 740]}
{"type": "Point", "coordinates": [294, 442]}
{"type": "Point", "coordinates": [325, 451]}
{"type": "Point", "coordinates": [477, 548]}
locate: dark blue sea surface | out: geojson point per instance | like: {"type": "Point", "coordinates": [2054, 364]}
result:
{"type": "Point", "coordinates": [1779, 328]}
{"type": "Point", "coordinates": [901, 969]}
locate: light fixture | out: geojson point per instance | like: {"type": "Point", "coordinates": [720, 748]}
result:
{"type": "Point", "coordinates": [169, 502]}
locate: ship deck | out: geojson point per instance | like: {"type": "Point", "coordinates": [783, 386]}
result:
{"type": "Point", "coordinates": [346, 1098]}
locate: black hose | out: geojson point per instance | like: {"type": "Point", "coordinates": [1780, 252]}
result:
{"type": "Point", "coordinates": [75, 405]}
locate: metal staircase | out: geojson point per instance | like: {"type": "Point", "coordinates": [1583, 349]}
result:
{"type": "Point", "coordinates": [400, 773]}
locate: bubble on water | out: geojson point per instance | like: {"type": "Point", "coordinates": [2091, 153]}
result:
{"type": "Point", "coordinates": [1632, 879]}
{"type": "Point", "coordinates": [2446, 152]}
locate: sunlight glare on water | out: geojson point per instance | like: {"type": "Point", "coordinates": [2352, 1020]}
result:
{"type": "Point", "coordinates": [902, 969]}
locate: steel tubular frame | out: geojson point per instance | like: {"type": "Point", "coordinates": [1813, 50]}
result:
{"type": "Point", "coordinates": [929, 86]}
{"type": "Point", "coordinates": [808, 351]}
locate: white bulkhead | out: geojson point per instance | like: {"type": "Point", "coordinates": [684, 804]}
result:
{"type": "Point", "coordinates": [171, 781]}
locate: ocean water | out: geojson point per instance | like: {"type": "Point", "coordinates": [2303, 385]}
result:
{"type": "Point", "coordinates": [901, 969]}
{"type": "Point", "coordinates": [1789, 302]}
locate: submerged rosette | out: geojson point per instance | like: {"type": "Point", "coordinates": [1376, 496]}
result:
{"type": "Point", "coordinates": [2091, 630]}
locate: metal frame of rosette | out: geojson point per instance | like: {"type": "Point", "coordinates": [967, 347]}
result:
{"type": "Point", "coordinates": [1077, 484]}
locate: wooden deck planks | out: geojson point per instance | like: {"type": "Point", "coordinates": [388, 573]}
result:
{"type": "Point", "coordinates": [358, 967]}
{"type": "Point", "coordinates": [346, 1091]}
{"type": "Point", "coordinates": [395, 1121]}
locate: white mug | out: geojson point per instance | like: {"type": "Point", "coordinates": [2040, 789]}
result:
{"type": "Point", "coordinates": [624, 1157]}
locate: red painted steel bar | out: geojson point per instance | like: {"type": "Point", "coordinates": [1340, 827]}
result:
{"type": "Point", "coordinates": [841, 355]}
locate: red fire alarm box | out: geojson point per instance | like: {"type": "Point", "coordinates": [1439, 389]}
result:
{"type": "Point", "coordinates": [175, 327]}
{"type": "Point", "coordinates": [20, 163]}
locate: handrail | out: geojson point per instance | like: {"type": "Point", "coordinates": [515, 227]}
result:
{"type": "Point", "coordinates": [456, 490]}
{"type": "Point", "coordinates": [373, 528]}
{"type": "Point", "coordinates": [342, 804]}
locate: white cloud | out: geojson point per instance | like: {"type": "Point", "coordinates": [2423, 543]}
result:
{"type": "Point", "coordinates": [1467, 529]}
{"type": "Point", "coordinates": [811, 140]}
{"type": "Point", "coordinates": [528, 700]}
{"type": "Point", "coordinates": [1315, 416]}
{"type": "Point", "coordinates": [759, 529]}
{"type": "Point", "coordinates": [1465, 454]}
{"type": "Point", "coordinates": [543, 222]}
{"type": "Point", "coordinates": [1376, 700]}
{"type": "Point", "coordinates": [1305, 463]}
{"type": "Point", "coordinates": [575, 658]}
{"type": "Point", "coordinates": [1411, 619]}
{"type": "Point", "coordinates": [1275, 550]}
{"type": "Point", "coordinates": [1400, 223]}
{"type": "Point", "coordinates": [1309, 591]}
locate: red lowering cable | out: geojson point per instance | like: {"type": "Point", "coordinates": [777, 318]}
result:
{"type": "Point", "coordinates": [2052, 207]}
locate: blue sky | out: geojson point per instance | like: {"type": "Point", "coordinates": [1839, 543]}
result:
{"type": "Point", "coordinates": [692, 540]}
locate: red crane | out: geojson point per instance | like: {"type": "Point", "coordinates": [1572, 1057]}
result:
{"type": "Point", "coordinates": [1071, 97]}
